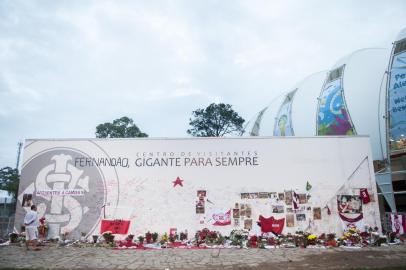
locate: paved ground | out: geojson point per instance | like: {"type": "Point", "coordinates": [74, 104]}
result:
{"type": "Point", "coordinates": [287, 259]}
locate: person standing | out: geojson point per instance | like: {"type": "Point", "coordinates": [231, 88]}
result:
{"type": "Point", "coordinates": [31, 227]}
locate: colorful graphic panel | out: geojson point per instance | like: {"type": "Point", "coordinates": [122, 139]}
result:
{"type": "Point", "coordinates": [397, 102]}
{"type": "Point", "coordinates": [332, 117]}
{"type": "Point", "coordinates": [283, 121]}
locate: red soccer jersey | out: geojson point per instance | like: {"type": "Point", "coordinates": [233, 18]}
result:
{"type": "Point", "coordinates": [271, 224]}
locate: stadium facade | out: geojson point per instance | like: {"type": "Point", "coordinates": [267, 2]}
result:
{"type": "Point", "coordinates": [363, 93]}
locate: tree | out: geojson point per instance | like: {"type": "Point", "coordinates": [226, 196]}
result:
{"type": "Point", "coordinates": [123, 127]}
{"type": "Point", "coordinates": [216, 120]}
{"type": "Point", "coordinates": [9, 180]}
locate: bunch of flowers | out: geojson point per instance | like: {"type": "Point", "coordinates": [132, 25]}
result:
{"type": "Point", "coordinates": [173, 237]}
{"type": "Point", "coordinates": [300, 239]}
{"type": "Point", "coordinates": [141, 238]}
{"type": "Point", "coordinates": [154, 237]}
{"type": "Point", "coordinates": [311, 239]}
{"type": "Point", "coordinates": [64, 235]}
{"type": "Point", "coordinates": [13, 237]}
{"type": "Point", "coordinates": [108, 237]}
{"type": "Point", "coordinates": [238, 237]}
{"type": "Point", "coordinates": [253, 242]}
{"type": "Point", "coordinates": [351, 237]}
{"type": "Point", "coordinates": [273, 241]}
{"type": "Point", "coordinates": [130, 237]}
{"type": "Point", "coordinates": [148, 237]}
{"type": "Point", "coordinates": [331, 240]}
{"type": "Point", "coordinates": [206, 236]}
{"type": "Point", "coordinates": [183, 236]}
{"type": "Point", "coordinates": [164, 238]}
{"type": "Point", "coordinates": [42, 228]}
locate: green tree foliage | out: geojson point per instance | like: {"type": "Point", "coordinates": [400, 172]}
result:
{"type": "Point", "coordinates": [123, 127]}
{"type": "Point", "coordinates": [9, 180]}
{"type": "Point", "coordinates": [216, 120]}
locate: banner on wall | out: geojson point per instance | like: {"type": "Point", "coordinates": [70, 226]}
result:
{"type": "Point", "coordinates": [354, 222]}
{"type": "Point", "coordinates": [397, 102]}
{"type": "Point", "coordinates": [398, 223]}
{"type": "Point", "coordinates": [220, 217]}
{"type": "Point", "coordinates": [332, 115]}
{"type": "Point", "coordinates": [115, 226]}
{"type": "Point", "coordinates": [283, 122]}
{"type": "Point", "coordinates": [349, 204]}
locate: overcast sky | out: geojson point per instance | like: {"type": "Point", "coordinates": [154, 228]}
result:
{"type": "Point", "coordinates": [67, 66]}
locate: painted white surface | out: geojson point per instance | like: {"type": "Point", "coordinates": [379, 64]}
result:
{"type": "Point", "coordinates": [304, 108]}
{"type": "Point", "coordinates": [364, 91]}
{"type": "Point", "coordinates": [401, 35]}
{"type": "Point", "coordinates": [146, 195]}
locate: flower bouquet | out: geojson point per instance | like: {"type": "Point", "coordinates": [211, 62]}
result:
{"type": "Point", "coordinates": [42, 228]}
{"type": "Point", "coordinates": [108, 237]}
{"type": "Point", "coordinates": [311, 239]}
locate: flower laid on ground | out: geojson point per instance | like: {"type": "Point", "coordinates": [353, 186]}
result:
{"type": "Point", "coordinates": [108, 237]}
{"type": "Point", "coordinates": [148, 237]}
{"type": "Point", "coordinates": [42, 228]}
{"type": "Point", "coordinates": [311, 237]}
{"type": "Point", "coordinates": [154, 237]}
{"type": "Point", "coordinates": [164, 238]}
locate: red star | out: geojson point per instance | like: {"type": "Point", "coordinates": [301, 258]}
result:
{"type": "Point", "coordinates": [177, 182]}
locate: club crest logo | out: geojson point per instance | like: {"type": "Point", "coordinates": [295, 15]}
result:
{"type": "Point", "coordinates": [70, 198]}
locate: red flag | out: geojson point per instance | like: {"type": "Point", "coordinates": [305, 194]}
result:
{"type": "Point", "coordinates": [397, 223]}
{"type": "Point", "coordinates": [363, 192]}
{"type": "Point", "coordinates": [221, 217]}
{"type": "Point", "coordinates": [271, 224]}
{"type": "Point", "coordinates": [115, 226]}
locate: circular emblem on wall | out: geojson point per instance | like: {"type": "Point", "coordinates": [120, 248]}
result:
{"type": "Point", "coordinates": [72, 198]}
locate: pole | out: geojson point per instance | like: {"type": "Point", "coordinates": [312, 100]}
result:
{"type": "Point", "coordinates": [19, 147]}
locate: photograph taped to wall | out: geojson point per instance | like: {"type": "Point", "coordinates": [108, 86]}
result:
{"type": "Point", "coordinates": [278, 209]}
{"type": "Point", "coordinates": [245, 196]}
{"type": "Point", "coordinates": [301, 217]}
{"type": "Point", "coordinates": [289, 210]}
{"type": "Point", "coordinates": [316, 213]}
{"type": "Point", "coordinates": [236, 213]}
{"type": "Point", "coordinates": [349, 204]}
{"type": "Point", "coordinates": [272, 195]}
{"type": "Point", "coordinates": [288, 197]}
{"type": "Point", "coordinates": [248, 211]}
{"type": "Point", "coordinates": [236, 222]}
{"type": "Point", "coordinates": [302, 198]}
{"type": "Point", "coordinates": [27, 200]}
{"type": "Point", "coordinates": [254, 195]}
{"type": "Point", "coordinates": [242, 210]}
{"type": "Point", "coordinates": [290, 220]}
{"type": "Point", "coordinates": [199, 209]}
{"type": "Point", "coordinates": [248, 224]}
{"type": "Point", "coordinates": [263, 195]}
{"type": "Point", "coordinates": [281, 196]}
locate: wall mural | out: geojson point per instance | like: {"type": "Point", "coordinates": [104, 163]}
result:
{"type": "Point", "coordinates": [283, 121]}
{"type": "Point", "coordinates": [397, 102]}
{"type": "Point", "coordinates": [332, 116]}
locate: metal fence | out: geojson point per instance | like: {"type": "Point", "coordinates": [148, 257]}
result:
{"type": "Point", "coordinates": [7, 212]}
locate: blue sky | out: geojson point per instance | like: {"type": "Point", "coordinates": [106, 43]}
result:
{"type": "Point", "coordinates": [66, 66]}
